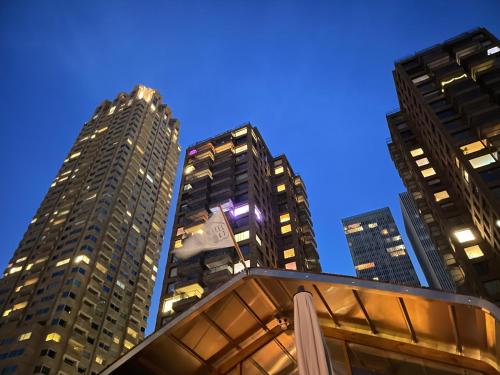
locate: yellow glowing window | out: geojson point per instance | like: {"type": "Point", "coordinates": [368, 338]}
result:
{"type": "Point", "coordinates": [7, 312]}
{"type": "Point", "coordinates": [75, 155]}
{"type": "Point", "coordinates": [278, 170]}
{"type": "Point", "coordinates": [101, 268]}
{"type": "Point", "coordinates": [384, 232]}
{"type": "Point", "coordinates": [481, 161]}
{"type": "Point", "coordinates": [132, 332]}
{"type": "Point", "coordinates": [416, 152]}
{"type": "Point", "coordinates": [53, 337]}
{"type": "Point", "coordinates": [353, 228]}
{"type": "Point", "coordinates": [464, 235]}
{"type": "Point", "coordinates": [100, 360]}
{"type": "Point", "coordinates": [189, 169]}
{"type": "Point", "coordinates": [422, 162]}
{"type": "Point", "coordinates": [372, 225]}
{"type": "Point", "coordinates": [240, 149]}
{"type": "Point", "coordinates": [15, 269]}
{"type": "Point", "coordinates": [178, 244]}
{"type": "Point", "coordinates": [112, 110]}
{"type": "Point", "coordinates": [116, 340]}
{"type": "Point", "coordinates": [286, 229]}
{"type": "Point", "coordinates": [364, 266]}
{"type": "Point", "coordinates": [447, 82]}
{"type": "Point", "coordinates": [240, 132]}
{"type": "Point", "coordinates": [473, 252]}
{"type": "Point", "coordinates": [19, 306]}
{"type": "Point", "coordinates": [224, 147]}
{"type": "Point", "coordinates": [30, 281]}
{"type": "Point", "coordinates": [191, 290]}
{"type": "Point", "coordinates": [127, 344]}
{"type": "Point", "coordinates": [259, 241]}
{"type": "Point", "coordinates": [284, 218]}
{"type": "Point", "coordinates": [280, 188]}
{"type": "Point", "coordinates": [472, 147]}
{"type": "Point", "coordinates": [20, 260]}
{"type": "Point", "coordinates": [289, 253]}
{"type": "Point", "coordinates": [242, 236]}
{"type": "Point", "coordinates": [24, 336]}
{"type": "Point", "coordinates": [63, 262]}
{"type": "Point", "coordinates": [101, 130]}
{"type": "Point", "coordinates": [291, 266]}
{"type": "Point", "coordinates": [82, 258]}
{"type": "Point", "coordinates": [428, 172]}
{"type": "Point", "coordinates": [440, 195]}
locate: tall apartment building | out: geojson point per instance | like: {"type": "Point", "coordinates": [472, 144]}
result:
{"type": "Point", "coordinates": [445, 141]}
{"type": "Point", "coordinates": [77, 291]}
{"type": "Point", "coordinates": [377, 249]}
{"type": "Point", "coordinates": [435, 272]}
{"type": "Point", "coordinates": [265, 203]}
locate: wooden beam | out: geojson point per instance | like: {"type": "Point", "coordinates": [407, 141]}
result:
{"type": "Point", "coordinates": [407, 319]}
{"type": "Point", "coordinates": [453, 318]}
{"type": "Point", "coordinates": [365, 313]}
{"type": "Point", "coordinates": [347, 358]}
{"type": "Point", "coordinates": [327, 307]}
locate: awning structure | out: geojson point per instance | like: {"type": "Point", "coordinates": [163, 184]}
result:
{"type": "Point", "coordinates": [246, 327]}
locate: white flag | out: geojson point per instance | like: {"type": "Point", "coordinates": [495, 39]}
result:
{"type": "Point", "coordinates": [213, 235]}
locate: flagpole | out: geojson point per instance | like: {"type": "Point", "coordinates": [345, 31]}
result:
{"type": "Point", "coordinates": [238, 250]}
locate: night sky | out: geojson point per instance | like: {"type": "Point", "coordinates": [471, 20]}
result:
{"type": "Point", "coordinates": [314, 77]}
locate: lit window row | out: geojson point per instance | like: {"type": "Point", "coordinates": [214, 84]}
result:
{"type": "Point", "coordinates": [365, 266]}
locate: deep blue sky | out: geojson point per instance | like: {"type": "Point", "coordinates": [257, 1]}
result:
{"type": "Point", "coordinates": [314, 77]}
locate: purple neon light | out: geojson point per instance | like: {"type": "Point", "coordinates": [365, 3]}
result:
{"type": "Point", "coordinates": [193, 152]}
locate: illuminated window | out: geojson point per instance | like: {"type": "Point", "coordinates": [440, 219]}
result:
{"type": "Point", "coordinates": [278, 170]}
{"type": "Point", "coordinates": [384, 232]}
{"type": "Point", "coordinates": [473, 252]}
{"type": "Point", "coordinates": [286, 229]}
{"type": "Point", "coordinates": [112, 110]}
{"type": "Point", "coordinates": [241, 149]}
{"type": "Point", "coordinates": [428, 172]}
{"type": "Point", "coordinates": [63, 262]}
{"type": "Point", "coordinates": [364, 266]}
{"type": "Point", "coordinates": [82, 258]}
{"type": "Point", "coordinates": [466, 176]}
{"type": "Point", "coordinates": [242, 236]}
{"type": "Point", "coordinates": [240, 132]}
{"type": "Point", "coordinates": [30, 281]}
{"type": "Point", "coordinates": [75, 155]}
{"type": "Point", "coordinates": [127, 344]}
{"type": "Point", "coordinates": [493, 50]}
{"type": "Point", "coordinates": [19, 306]}
{"type": "Point", "coordinates": [224, 147]}
{"type": "Point", "coordinates": [56, 337]}
{"type": "Point", "coordinates": [284, 218]}
{"type": "Point", "coordinates": [257, 238]}
{"type": "Point", "coordinates": [24, 336]}
{"type": "Point", "coordinates": [464, 235]}
{"type": "Point", "coordinates": [353, 228]}
{"type": "Point", "coordinates": [289, 253]}
{"type": "Point", "coordinates": [132, 332]}
{"type": "Point", "coordinates": [280, 188]}
{"type": "Point", "coordinates": [472, 147]}
{"type": "Point", "coordinates": [481, 161]}
{"type": "Point", "coordinates": [99, 360]}
{"type": "Point", "coordinates": [291, 266]}
{"type": "Point", "coordinates": [15, 269]}
{"type": "Point", "coordinates": [447, 82]}
{"type": "Point", "coordinates": [420, 78]}
{"type": "Point", "coordinates": [101, 268]}
{"type": "Point", "coordinates": [440, 195]}
{"type": "Point", "coordinates": [189, 169]}
{"type": "Point", "coordinates": [241, 210]}
{"type": "Point", "coordinates": [372, 225]}
{"type": "Point", "coordinates": [238, 267]}
{"type": "Point", "coordinates": [416, 152]}
{"type": "Point", "coordinates": [422, 162]}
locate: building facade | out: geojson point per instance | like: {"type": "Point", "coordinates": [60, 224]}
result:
{"type": "Point", "coordinates": [76, 293]}
{"type": "Point", "coordinates": [444, 143]}
{"type": "Point", "coordinates": [377, 249]}
{"type": "Point", "coordinates": [435, 272]}
{"type": "Point", "coordinates": [265, 203]}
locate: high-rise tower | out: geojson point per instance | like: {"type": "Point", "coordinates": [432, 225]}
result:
{"type": "Point", "coordinates": [266, 205]}
{"type": "Point", "coordinates": [377, 249]}
{"type": "Point", "coordinates": [431, 262]}
{"type": "Point", "coordinates": [445, 141]}
{"type": "Point", "coordinates": [77, 291]}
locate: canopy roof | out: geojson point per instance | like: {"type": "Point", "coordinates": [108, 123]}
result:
{"type": "Point", "coordinates": [245, 327]}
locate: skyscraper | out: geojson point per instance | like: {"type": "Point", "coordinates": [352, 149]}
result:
{"type": "Point", "coordinates": [377, 249]}
{"type": "Point", "coordinates": [77, 291]}
{"type": "Point", "coordinates": [266, 205]}
{"type": "Point", "coordinates": [445, 140]}
{"type": "Point", "coordinates": [435, 272]}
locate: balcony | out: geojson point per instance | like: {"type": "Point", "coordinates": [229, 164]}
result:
{"type": "Point", "coordinates": [218, 260]}
{"type": "Point", "coordinates": [223, 274]}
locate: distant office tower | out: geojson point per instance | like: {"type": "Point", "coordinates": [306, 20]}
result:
{"type": "Point", "coordinates": [377, 248]}
{"type": "Point", "coordinates": [77, 291]}
{"type": "Point", "coordinates": [445, 142]}
{"type": "Point", "coordinates": [267, 210]}
{"type": "Point", "coordinates": [435, 272]}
